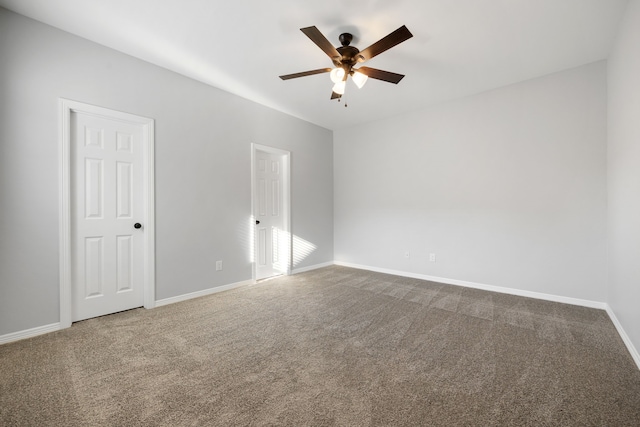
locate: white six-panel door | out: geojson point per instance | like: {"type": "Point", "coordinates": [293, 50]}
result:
{"type": "Point", "coordinates": [272, 241]}
{"type": "Point", "coordinates": [106, 204]}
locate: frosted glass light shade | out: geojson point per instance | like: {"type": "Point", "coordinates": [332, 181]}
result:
{"type": "Point", "coordinates": [339, 87]}
{"type": "Point", "coordinates": [337, 74]}
{"type": "Point", "coordinates": [359, 79]}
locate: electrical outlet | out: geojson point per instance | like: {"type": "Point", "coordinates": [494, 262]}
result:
{"type": "Point", "coordinates": [218, 265]}
{"type": "Point", "coordinates": [432, 257]}
{"type": "Point", "coordinates": [407, 254]}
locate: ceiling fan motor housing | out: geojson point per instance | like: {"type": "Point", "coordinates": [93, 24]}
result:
{"type": "Point", "coordinates": [345, 39]}
{"type": "Point", "coordinates": [349, 54]}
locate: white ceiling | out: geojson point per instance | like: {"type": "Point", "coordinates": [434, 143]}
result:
{"type": "Point", "coordinates": [460, 47]}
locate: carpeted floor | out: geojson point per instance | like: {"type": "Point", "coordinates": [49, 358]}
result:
{"type": "Point", "coordinates": [334, 346]}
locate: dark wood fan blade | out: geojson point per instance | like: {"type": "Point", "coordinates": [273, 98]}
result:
{"type": "Point", "coordinates": [386, 76]}
{"type": "Point", "coordinates": [305, 73]}
{"type": "Point", "coordinates": [319, 39]}
{"type": "Point", "coordinates": [385, 43]}
{"type": "Point", "coordinates": [335, 95]}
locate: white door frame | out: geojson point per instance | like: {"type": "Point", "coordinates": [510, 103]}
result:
{"type": "Point", "coordinates": [66, 108]}
{"type": "Point", "coordinates": [286, 203]}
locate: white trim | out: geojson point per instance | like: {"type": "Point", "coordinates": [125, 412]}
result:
{"type": "Point", "coordinates": [29, 333]}
{"type": "Point", "coordinates": [623, 334]}
{"type": "Point", "coordinates": [202, 293]}
{"type": "Point", "coordinates": [64, 198]}
{"type": "Point", "coordinates": [537, 295]}
{"type": "Point", "coordinates": [500, 289]}
{"type": "Point", "coordinates": [66, 107]}
{"type": "Point", "coordinates": [286, 201]}
{"type": "Point", "coordinates": [312, 267]}
{"type": "Point", "coordinates": [40, 330]}
{"type": "Point", "coordinates": [149, 171]}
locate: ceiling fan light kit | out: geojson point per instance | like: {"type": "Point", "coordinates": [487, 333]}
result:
{"type": "Point", "coordinates": [337, 74]}
{"type": "Point", "coordinates": [345, 58]}
{"type": "Point", "coordinates": [339, 87]}
{"type": "Point", "coordinates": [359, 79]}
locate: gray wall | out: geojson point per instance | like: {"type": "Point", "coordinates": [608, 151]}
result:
{"type": "Point", "coordinates": [507, 188]}
{"type": "Point", "coordinates": [624, 175]}
{"type": "Point", "coordinates": [203, 138]}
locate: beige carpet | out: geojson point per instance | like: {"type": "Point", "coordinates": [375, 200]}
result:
{"type": "Point", "coordinates": [334, 346]}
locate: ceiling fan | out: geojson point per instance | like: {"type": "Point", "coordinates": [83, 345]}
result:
{"type": "Point", "coordinates": [346, 57]}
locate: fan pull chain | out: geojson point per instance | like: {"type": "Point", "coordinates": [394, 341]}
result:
{"type": "Point", "coordinates": [345, 100]}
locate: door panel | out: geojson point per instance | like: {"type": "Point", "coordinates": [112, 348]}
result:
{"type": "Point", "coordinates": [106, 201]}
{"type": "Point", "coordinates": [93, 266]}
{"type": "Point", "coordinates": [124, 266]}
{"type": "Point", "coordinates": [93, 200]}
{"type": "Point", "coordinates": [124, 190]}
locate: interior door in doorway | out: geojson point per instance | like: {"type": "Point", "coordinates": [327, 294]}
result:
{"type": "Point", "coordinates": [107, 248]}
{"type": "Point", "coordinates": [272, 239]}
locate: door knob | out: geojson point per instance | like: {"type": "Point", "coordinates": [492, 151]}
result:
{"type": "Point", "coordinates": [257, 222]}
{"type": "Point", "coordinates": [137, 225]}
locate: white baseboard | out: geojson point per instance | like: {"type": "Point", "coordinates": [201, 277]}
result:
{"type": "Point", "coordinates": [538, 295]}
{"type": "Point", "coordinates": [202, 293]}
{"type": "Point", "coordinates": [623, 334]}
{"type": "Point", "coordinates": [500, 289]}
{"type": "Point", "coordinates": [28, 333]}
{"type": "Point", "coordinates": [40, 330]}
{"type": "Point", "coordinates": [312, 267]}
